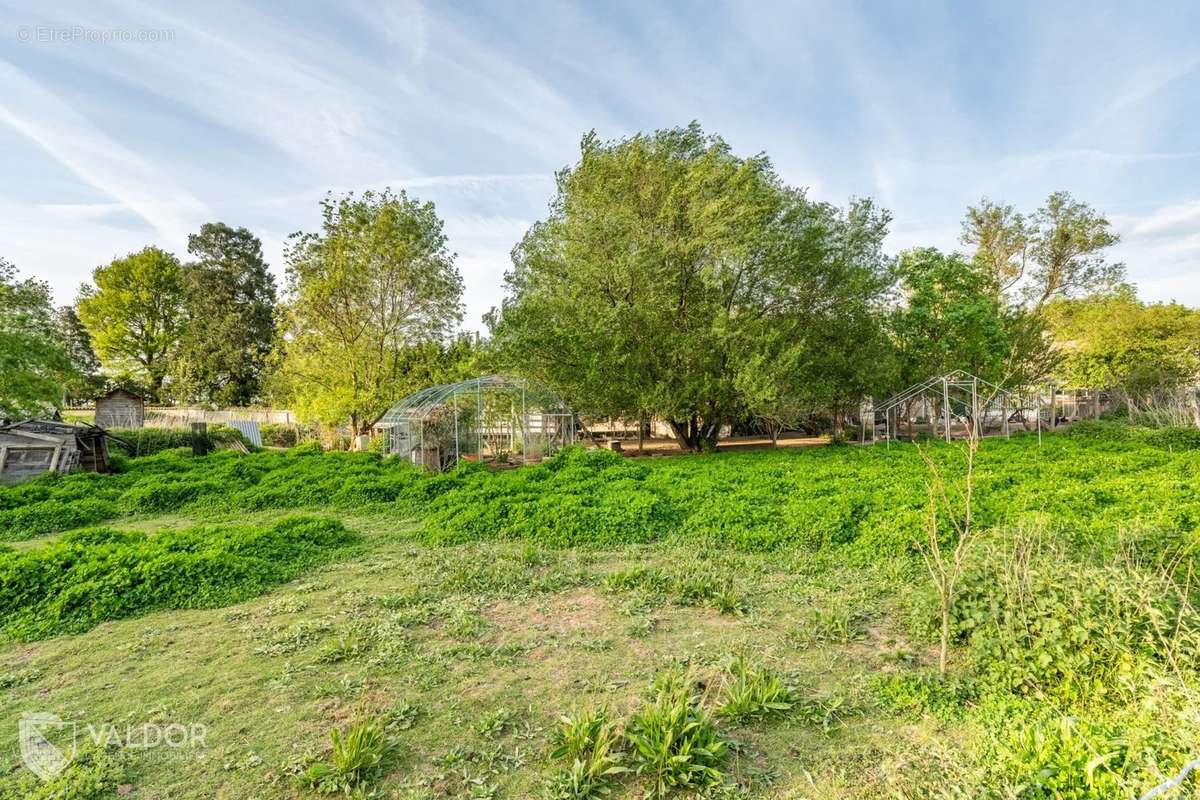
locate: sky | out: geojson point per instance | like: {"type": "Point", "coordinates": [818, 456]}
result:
{"type": "Point", "coordinates": [126, 123]}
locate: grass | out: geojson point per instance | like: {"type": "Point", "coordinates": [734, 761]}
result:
{"type": "Point", "coordinates": [447, 669]}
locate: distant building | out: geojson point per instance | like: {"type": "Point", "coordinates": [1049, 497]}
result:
{"type": "Point", "coordinates": [120, 408]}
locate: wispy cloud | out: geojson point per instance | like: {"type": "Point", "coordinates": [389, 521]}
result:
{"type": "Point", "coordinates": [95, 158]}
{"type": "Point", "coordinates": [250, 114]}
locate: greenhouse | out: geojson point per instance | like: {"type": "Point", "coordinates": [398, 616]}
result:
{"type": "Point", "coordinates": [954, 406]}
{"type": "Point", "coordinates": [497, 418]}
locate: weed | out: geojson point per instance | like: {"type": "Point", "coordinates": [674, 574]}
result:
{"type": "Point", "coordinates": [673, 741]}
{"type": "Point", "coordinates": [753, 693]}
{"type": "Point", "coordinates": [360, 754]}
{"type": "Point", "coordinates": [590, 744]}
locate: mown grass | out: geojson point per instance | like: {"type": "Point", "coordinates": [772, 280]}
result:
{"type": "Point", "coordinates": [807, 647]}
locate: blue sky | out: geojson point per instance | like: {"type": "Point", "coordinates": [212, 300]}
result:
{"type": "Point", "coordinates": [249, 115]}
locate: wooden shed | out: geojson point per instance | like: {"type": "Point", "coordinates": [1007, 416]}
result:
{"type": "Point", "coordinates": [27, 453]}
{"type": "Point", "coordinates": [35, 447]}
{"type": "Point", "coordinates": [120, 408]}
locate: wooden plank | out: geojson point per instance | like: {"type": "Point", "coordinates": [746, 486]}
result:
{"type": "Point", "coordinates": [3, 456]}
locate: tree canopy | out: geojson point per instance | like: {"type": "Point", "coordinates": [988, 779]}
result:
{"type": "Point", "coordinates": [366, 296]}
{"type": "Point", "coordinates": [34, 366]}
{"type": "Point", "coordinates": [669, 269]}
{"type": "Point", "coordinates": [134, 314]}
{"type": "Point", "coordinates": [1117, 342]}
{"type": "Point", "coordinates": [229, 311]}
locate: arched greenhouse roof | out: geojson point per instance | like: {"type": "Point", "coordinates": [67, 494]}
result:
{"type": "Point", "coordinates": [419, 404]}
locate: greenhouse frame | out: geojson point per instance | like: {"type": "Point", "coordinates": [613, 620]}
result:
{"type": "Point", "coordinates": [499, 418]}
{"type": "Point", "coordinates": [954, 406]}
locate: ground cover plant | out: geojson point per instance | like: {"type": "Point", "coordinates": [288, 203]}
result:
{"type": "Point", "coordinates": [498, 634]}
{"type": "Point", "coordinates": [97, 574]}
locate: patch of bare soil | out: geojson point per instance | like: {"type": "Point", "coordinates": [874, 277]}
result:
{"type": "Point", "coordinates": [570, 612]}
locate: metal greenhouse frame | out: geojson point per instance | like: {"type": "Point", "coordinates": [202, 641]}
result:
{"type": "Point", "coordinates": [955, 402]}
{"type": "Point", "coordinates": [500, 418]}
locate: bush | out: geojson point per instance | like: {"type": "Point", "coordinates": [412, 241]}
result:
{"type": "Point", "coordinates": [359, 755]}
{"type": "Point", "coordinates": [90, 576]}
{"type": "Point", "coordinates": [279, 435]}
{"type": "Point", "coordinates": [49, 516]}
{"type": "Point", "coordinates": [1053, 627]}
{"type": "Point", "coordinates": [1174, 438]}
{"type": "Point", "coordinates": [753, 693]}
{"type": "Point", "coordinates": [589, 743]}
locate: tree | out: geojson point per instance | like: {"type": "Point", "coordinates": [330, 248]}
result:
{"type": "Point", "coordinates": [949, 318]}
{"type": "Point", "coordinates": [229, 304]}
{"type": "Point", "coordinates": [1001, 237]}
{"type": "Point", "coordinates": [33, 364]}
{"type": "Point", "coordinates": [1068, 251]}
{"type": "Point", "coordinates": [667, 266]}
{"type": "Point", "coordinates": [376, 283]}
{"type": "Point", "coordinates": [134, 314]}
{"type": "Point", "coordinates": [84, 380]}
{"type": "Point", "coordinates": [1117, 342]}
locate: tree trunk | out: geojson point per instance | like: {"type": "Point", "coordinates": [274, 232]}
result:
{"type": "Point", "coordinates": [641, 434]}
{"type": "Point", "coordinates": [692, 434]}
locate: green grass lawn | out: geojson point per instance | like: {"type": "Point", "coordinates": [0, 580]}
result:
{"type": "Point", "coordinates": [475, 609]}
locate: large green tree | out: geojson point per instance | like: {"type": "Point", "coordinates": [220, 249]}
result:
{"type": "Point", "coordinates": [34, 366]}
{"type": "Point", "coordinates": [229, 305]}
{"type": "Point", "coordinates": [1001, 237]}
{"type": "Point", "coordinates": [134, 314]}
{"type": "Point", "coordinates": [948, 317]}
{"type": "Point", "coordinates": [1114, 341]}
{"type": "Point", "coordinates": [375, 283]}
{"type": "Point", "coordinates": [1068, 251]}
{"type": "Point", "coordinates": [1058, 251]}
{"type": "Point", "coordinates": [668, 270]}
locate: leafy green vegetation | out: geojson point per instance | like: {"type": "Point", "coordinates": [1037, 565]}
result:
{"type": "Point", "coordinates": [359, 754]}
{"type": "Point", "coordinates": [98, 574]}
{"type": "Point", "coordinates": [456, 616]}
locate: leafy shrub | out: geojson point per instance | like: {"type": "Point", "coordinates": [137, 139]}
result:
{"type": "Point", "coordinates": [1034, 751]}
{"type": "Point", "coordinates": [49, 516]}
{"type": "Point", "coordinates": [924, 692]}
{"type": "Point", "coordinates": [753, 693]}
{"type": "Point", "coordinates": [1174, 438]}
{"type": "Point", "coordinates": [674, 743]}
{"type": "Point", "coordinates": [279, 435]}
{"type": "Point", "coordinates": [90, 576]}
{"type": "Point", "coordinates": [360, 754]}
{"type": "Point", "coordinates": [1047, 626]}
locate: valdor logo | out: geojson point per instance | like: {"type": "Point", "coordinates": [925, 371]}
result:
{"type": "Point", "coordinates": [47, 743]}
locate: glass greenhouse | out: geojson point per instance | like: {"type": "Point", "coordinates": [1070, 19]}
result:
{"type": "Point", "coordinates": [495, 418]}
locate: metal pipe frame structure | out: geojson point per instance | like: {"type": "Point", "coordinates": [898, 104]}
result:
{"type": "Point", "coordinates": [503, 410]}
{"type": "Point", "coordinates": [975, 397]}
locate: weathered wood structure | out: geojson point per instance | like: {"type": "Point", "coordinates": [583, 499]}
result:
{"type": "Point", "coordinates": [36, 447]}
{"type": "Point", "coordinates": [120, 408]}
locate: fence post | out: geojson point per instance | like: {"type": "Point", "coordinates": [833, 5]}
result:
{"type": "Point", "coordinates": [199, 438]}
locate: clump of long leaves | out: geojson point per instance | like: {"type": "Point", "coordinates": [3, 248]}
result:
{"type": "Point", "coordinates": [753, 693]}
{"type": "Point", "coordinates": [673, 740]}
{"type": "Point", "coordinates": [591, 745]}
{"type": "Point", "coordinates": [360, 754]}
